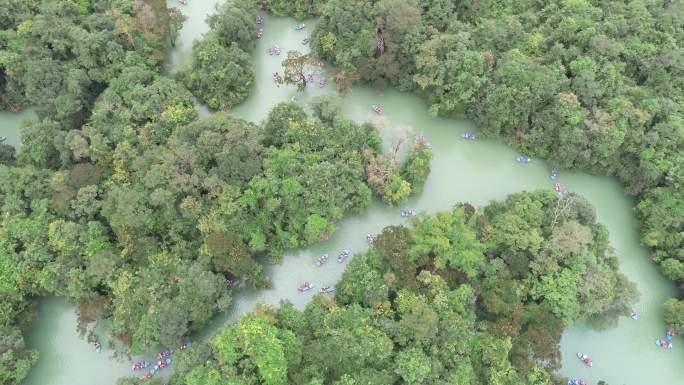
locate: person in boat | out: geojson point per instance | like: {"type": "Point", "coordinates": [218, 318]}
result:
{"type": "Point", "coordinates": [306, 40]}
{"type": "Point", "coordinates": [259, 19]}
{"type": "Point", "coordinates": [300, 27]}
{"type": "Point", "coordinates": [671, 334]}
{"type": "Point", "coordinates": [553, 174]}
{"type": "Point", "coordinates": [310, 77]}
{"type": "Point", "coordinates": [183, 2]}
{"type": "Point", "coordinates": [377, 109]}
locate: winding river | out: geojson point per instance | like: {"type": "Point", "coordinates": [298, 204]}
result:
{"type": "Point", "coordinates": [475, 172]}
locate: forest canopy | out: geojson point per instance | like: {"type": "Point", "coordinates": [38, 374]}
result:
{"type": "Point", "coordinates": [466, 296]}
{"type": "Point", "coordinates": [594, 86]}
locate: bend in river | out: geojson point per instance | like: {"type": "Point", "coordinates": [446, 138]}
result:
{"type": "Point", "coordinates": [462, 171]}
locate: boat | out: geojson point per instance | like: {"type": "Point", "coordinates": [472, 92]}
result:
{"type": "Point", "coordinates": [327, 289]}
{"type": "Point", "coordinates": [306, 40]}
{"type": "Point", "coordinates": [140, 365]}
{"type": "Point", "coordinates": [468, 135]}
{"type": "Point", "coordinates": [553, 174]}
{"type": "Point", "coordinates": [377, 109]}
{"type": "Point", "coordinates": [420, 139]}
{"type": "Point", "coordinates": [670, 334]}
{"type": "Point", "coordinates": [370, 239]}
{"type": "Point", "coordinates": [633, 314]}
{"type": "Point", "coordinates": [277, 78]}
{"type": "Point", "coordinates": [259, 19]}
{"type": "Point", "coordinates": [305, 287]}
{"type": "Point", "coordinates": [3, 138]}
{"type": "Point", "coordinates": [408, 213]}
{"type": "Point", "coordinates": [300, 27]}
{"type": "Point", "coordinates": [664, 343]}
{"type": "Point", "coordinates": [585, 359]}
{"type": "Point", "coordinates": [276, 49]}
{"type": "Point", "coordinates": [322, 260]}
{"type": "Point", "coordinates": [321, 82]}
{"type": "Point", "coordinates": [575, 381]}
{"type": "Point", "coordinates": [270, 50]}
{"type": "Point", "coordinates": [183, 2]}
{"type": "Point", "coordinates": [344, 254]}
{"type": "Point", "coordinates": [558, 187]}
{"type": "Point", "coordinates": [259, 33]}
{"type": "Point", "coordinates": [523, 159]}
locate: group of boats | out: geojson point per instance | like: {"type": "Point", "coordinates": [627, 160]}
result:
{"type": "Point", "coordinates": [667, 342]}
{"type": "Point", "coordinates": [163, 361]}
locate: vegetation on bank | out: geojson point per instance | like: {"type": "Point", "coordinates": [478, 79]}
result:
{"type": "Point", "coordinates": [221, 74]}
{"type": "Point", "coordinates": [468, 296]}
{"type": "Point", "coordinates": [595, 86]}
{"type": "Point", "coordinates": [124, 203]}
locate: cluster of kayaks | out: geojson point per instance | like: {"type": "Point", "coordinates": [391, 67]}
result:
{"type": "Point", "coordinates": [585, 359]}
{"type": "Point", "coordinates": [667, 342]}
{"type": "Point", "coordinates": [306, 286]}
{"type": "Point", "coordinates": [323, 259]}
{"type": "Point", "coordinates": [408, 213]}
{"type": "Point", "coordinates": [164, 360]}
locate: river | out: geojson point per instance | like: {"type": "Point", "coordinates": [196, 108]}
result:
{"type": "Point", "coordinates": [475, 172]}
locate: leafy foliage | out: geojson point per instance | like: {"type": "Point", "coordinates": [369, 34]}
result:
{"type": "Point", "coordinates": [569, 81]}
{"type": "Point", "coordinates": [416, 309]}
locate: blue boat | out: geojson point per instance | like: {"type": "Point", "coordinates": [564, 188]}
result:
{"type": "Point", "coordinates": [468, 135]}
{"type": "Point", "coordinates": [306, 40]}
{"type": "Point", "coordinates": [553, 175]}
{"type": "Point", "coordinates": [523, 159]}
{"type": "Point", "coordinates": [344, 254]}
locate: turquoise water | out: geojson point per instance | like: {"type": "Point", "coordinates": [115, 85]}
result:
{"type": "Point", "coordinates": [475, 172]}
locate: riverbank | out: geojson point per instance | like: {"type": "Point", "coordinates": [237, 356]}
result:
{"type": "Point", "coordinates": [461, 171]}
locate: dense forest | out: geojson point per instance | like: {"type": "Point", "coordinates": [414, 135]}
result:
{"type": "Point", "coordinates": [125, 203]}
{"type": "Point", "coordinates": [590, 85]}
{"type": "Point", "coordinates": [468, 296]}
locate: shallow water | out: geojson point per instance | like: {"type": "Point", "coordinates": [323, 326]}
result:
{"type": "Point", "coordinates": [475, 172]}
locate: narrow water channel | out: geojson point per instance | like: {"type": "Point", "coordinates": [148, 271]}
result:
{"type": "Point", "coordinates": [475, 172]}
